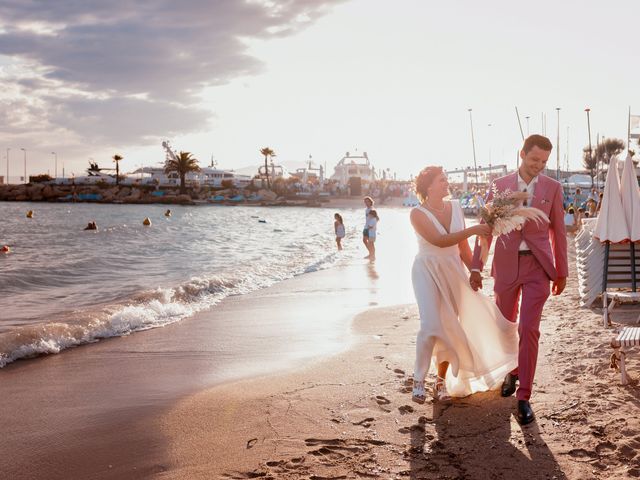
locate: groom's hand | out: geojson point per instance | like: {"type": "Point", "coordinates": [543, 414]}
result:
{"type": "Point", "coordinates": [475, 280]}
{"type": "Point", "coordinates": [558, 285]}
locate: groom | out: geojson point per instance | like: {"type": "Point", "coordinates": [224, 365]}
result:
{"type": "Point", "coordinates": [524, 263]}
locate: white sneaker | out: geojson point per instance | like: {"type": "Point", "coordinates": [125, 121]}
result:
{"type": "Point", "coordinates": [418, 394]}
{"type": "Point", "coordinates": [440, 393]}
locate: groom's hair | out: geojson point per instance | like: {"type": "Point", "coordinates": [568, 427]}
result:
{"type": "Point", "coordinates": [539, 141]}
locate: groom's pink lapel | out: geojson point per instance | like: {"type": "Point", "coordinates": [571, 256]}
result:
{"type": "Point", "coordinates": [540, 192]}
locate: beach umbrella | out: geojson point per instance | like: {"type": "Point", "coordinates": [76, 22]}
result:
{"type": "Point", "coordinates": [611, 225]}
{"type": "Point", "coordinates": [630, 193]}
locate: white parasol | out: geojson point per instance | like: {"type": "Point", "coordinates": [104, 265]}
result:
{"type": "Point", "coordinates": [631, 199]}
{"type": "Point", "coordinates": [612, 224]}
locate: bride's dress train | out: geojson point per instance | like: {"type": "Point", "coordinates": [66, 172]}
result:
{"type": "Point", "coordinates": [458, 325]}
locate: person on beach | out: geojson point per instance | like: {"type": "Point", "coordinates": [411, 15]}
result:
{"type": "Point", "coordinates": [368, 203]}
{"type": "Point", "coordinates": [525, 262]}
{"type": "Point", "coordinates": [338, 227]}
{"type": "Point", "coordinates": [372, 229]}
{"type": "Point", "coordinates": [462, 333]}
{"type": "Point", "coordinates": [570, 220]}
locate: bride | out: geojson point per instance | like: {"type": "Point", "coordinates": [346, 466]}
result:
{"type": "Point", "coordinates": [462, 332]}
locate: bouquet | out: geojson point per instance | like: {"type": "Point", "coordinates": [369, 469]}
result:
{"type": "Point", "coordinates": [505, 213]}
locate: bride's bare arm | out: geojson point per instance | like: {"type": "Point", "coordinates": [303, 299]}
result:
{"type": "Point", "coordinates": [427, 230]}
{"type": "Point", "coordinates": [465, 253]}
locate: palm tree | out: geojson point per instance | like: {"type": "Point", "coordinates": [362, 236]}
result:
{"type": "Point", "coordinates": [267, 152]}
{"type": "Point", "coordinates": [182, 164]}
{"type": "Point", "coordinates": [117, 158]}
{"type": "Point", "coordinates": [589, 161]}
{"type": "Point", "coordinates": [609, 148]}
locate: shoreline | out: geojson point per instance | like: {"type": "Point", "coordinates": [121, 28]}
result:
{"type": "Point", "coordinates": [73, 414]}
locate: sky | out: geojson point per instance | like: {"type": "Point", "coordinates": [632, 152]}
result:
{"type": "Point", "coordinates": [224, 78]}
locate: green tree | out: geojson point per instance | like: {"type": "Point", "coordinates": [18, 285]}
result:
{"type": "Point", "coordinates": [609, 148]}
{"type": "Point", "coordinates": [268, 153]}
{"type": "Point", "coordinates": [116, 159]}
{"type": "Point", "coordinates": [182, 164]}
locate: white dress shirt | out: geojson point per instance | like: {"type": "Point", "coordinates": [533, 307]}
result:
{"type": "Point", "coordinates": [530, 188]}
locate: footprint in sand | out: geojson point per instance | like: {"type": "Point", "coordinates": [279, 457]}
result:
{"type": "Point", "coordinates": [380, 400]}
{"type": "Point", "coordinates": [605, 448]}
{"type": "Point", "coordinates": [404, 409]}
{"type": "Point", "coordinates": [366, 423]}
{"type": "Point", "coordinates": [582, 453]}
{"type": "Point", "coordinates": [415, 428]}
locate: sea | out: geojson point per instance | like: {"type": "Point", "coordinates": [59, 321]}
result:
{"type": "Point", "coordinates": [62, 286]}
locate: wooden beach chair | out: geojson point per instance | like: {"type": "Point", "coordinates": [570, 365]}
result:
{"type": "Point", "coordinates": [628, 337]}
{"type": "Point", "coordinates": [619, 285]}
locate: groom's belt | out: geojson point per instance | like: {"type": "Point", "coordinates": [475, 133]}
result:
{"type": "Point", "coordinates": [522, 253]}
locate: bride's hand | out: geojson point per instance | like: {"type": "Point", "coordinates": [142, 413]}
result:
{"type": "Point", "coordinates": [482, 229]}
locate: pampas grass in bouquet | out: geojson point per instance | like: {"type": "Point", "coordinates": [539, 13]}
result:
{"type": "Point", "coordinates": [506, 213]}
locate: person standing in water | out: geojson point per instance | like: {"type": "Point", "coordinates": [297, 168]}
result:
{"type": "Point", "coordinates": [338, 226]}
{"type": "Point", "coordinates": [372, 228]}
{"type": "Point", "coordinates": [368, 202]}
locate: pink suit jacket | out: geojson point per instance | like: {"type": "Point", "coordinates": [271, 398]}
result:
{"type": "Point", "coordinates": [547, 241]}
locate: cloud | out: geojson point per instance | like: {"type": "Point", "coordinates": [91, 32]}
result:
{"type": "Point", "coordinates": [125, 71]}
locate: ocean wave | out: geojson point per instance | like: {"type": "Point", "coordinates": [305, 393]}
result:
{"type": "Point", "coordinates": [146, 310]}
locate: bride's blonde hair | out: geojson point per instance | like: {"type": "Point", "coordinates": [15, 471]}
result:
{"type": "Point", "coordinates": [424, 180]}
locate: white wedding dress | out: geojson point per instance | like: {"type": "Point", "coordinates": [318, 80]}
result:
{"type": "Point", "coordinates": [458, 325]}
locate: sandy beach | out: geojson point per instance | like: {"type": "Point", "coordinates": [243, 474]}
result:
{"type": "Point", "coordinates": [338, 414]}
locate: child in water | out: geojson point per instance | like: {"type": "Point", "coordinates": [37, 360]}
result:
{"type": "Point", "coordinates": [338, 226]}
{"type": "Point", "coordinates": [372, 227]}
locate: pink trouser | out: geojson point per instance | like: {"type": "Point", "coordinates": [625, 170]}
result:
{"type": "Point", "coordinates": [533, 283]}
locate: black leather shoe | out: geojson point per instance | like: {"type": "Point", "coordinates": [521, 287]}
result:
{"type": "Point", "coordinates": [509, 385]}
{"type": "Point", "coordinates": [525, 412]}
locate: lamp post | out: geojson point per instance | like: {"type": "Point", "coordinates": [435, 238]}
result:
{"type": "Point", "coordinates": [558, 147]}
{"type": "Point", "coordinates": [473, 144]}
{"type": "Point", "coordinates": [590, 149]}
{"type": "Point", "coordinates": [8, 165]}
{"type": "Point", "coordinates": [55, 174]}
{"type": "Point", "coordinates": [527, 118]}
{"type": "Point", "coordinates": [25, 164]}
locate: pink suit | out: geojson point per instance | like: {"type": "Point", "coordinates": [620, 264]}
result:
{"type": "Point", "coordinates": [529, 275]}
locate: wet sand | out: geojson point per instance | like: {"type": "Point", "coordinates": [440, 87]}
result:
{"type": "Point", "coordinates": [352, 416]}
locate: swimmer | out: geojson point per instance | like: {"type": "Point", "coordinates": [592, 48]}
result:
{"type": "Point", "coordinates": [30, 214]}
{"type": "Point", "coordinates": [167, 213]}
{"type": "Point", "coordinates": [91, 226]}
{"type": "Point", "coordinates": [5, 249]}
{"type": "Point", "coordinates": [146, 222]}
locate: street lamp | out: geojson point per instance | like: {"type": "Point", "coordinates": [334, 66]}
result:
{"type": "Point", "coordinates": [25, 164]}
{"type": "Point", "coordinates": [558, 147]}
{"type": "Point", "coordinates": [527, 118]}
{"type": "Point", "coordinates": [56, 165]}
{"type": "Point", "coordinates": [590, 149]}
